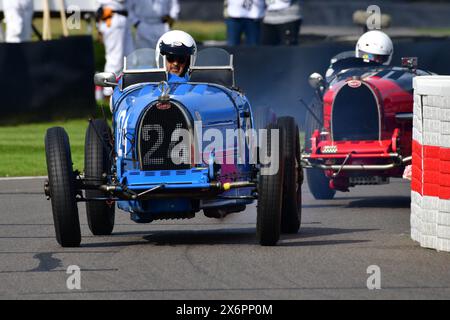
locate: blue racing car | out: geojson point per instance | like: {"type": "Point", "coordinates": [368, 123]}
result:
{"type": "Point", "coordinates": [178, 145]}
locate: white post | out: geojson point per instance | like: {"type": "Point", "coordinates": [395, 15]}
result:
{"type": "Point", "coordinates": [47, 32]}
{"type": "Point", "coordinates": [62, 10]}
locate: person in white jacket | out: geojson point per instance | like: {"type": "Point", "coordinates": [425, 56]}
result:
{"type": "Point", "coordinates": [243, 17]}
{"type": "Point", "coordinates": [281, 25]}
{"type": "Point", "coordinates": [115, 31]}
{"type": "Point", "coordinates": [18, 19]}
{"type": "Point", "coordinates": [152, 18]}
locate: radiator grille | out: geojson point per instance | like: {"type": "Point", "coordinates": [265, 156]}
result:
{"type": "Point", "coordinates": [163, 142]}
{"type": "Point", "coordinates": [355, 114]}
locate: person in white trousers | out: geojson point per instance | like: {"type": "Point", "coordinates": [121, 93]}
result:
{"type": "Point", "coordinates": [18, 19]}
{"type": "Point", "coordinates": [113, 26]}
{"type": "Point", "coordinates": [152, 18]}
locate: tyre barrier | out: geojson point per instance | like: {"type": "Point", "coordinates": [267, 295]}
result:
{"type": "Point", "coordinates": [430, 183]}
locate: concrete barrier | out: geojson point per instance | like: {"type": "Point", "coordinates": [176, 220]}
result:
{"type": "Point", "coordinates": [430, 184]}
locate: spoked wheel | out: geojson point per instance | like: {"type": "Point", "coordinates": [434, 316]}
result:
{"type": "Point", "coordinates": [61, 188]}
{"type": "Point", "coordinates": [270, 187]}
{"type": "Point", "coordinates": [291, 213]}
{"type": "Point", "coordinates": [97, 166]}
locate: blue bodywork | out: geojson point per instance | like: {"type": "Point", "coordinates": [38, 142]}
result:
{"type": "Point", "coordinates": [217, 107]}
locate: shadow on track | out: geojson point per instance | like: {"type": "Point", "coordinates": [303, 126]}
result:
{"type": "Point", "coordinates": [381, 202]}
{"type": "Point", "coordinates": [394, 202]}
{"type": "Point", "coordinates": [243, 236]}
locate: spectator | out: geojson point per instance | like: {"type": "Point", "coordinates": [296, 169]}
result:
{"type": "Point", "coordinates": [18, 18]}
{"type": "Point", "coordinates": [152, 18]}
{"type": "Point", "coordinates": [116, 34]}
{"type": "Point", "coordinates": [243, 17]}
{"type": "Point", "coordinates": [281, 25]}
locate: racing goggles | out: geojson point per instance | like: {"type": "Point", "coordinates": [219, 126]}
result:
{"type": "Point", "coordinates": [171, 58]}
{"type": "Point", "coordinates": [379, 58]}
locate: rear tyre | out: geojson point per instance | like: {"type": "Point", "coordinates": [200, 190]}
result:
{"type": "Point", "coordinates": [270, 187]}
{"type": "Point", "coordinates": [97, 165]}
{"type": "Point", "coordinates": [319, 184]}
{"type": "Point", "coordinates": [291, 212]}
{"type": "Point", "coordinates": [62, 190]}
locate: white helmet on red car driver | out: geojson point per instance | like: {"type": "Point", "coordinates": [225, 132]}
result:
{"type": "Point", "coordinates": [178, 43]}
{"type": "Point", "coordinates": [375, 46]}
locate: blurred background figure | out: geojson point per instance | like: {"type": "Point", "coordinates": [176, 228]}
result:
{"type": "Point", "coordinates": [152, 18]}
{"type": "Point", "coordinates": [281, 24]}
{"type": "Point", "coordinates": [243, 17]}
{"type": "Point", "coordinates": [18, 19]}
{"type": "Point", "coordinates": [114, 30]}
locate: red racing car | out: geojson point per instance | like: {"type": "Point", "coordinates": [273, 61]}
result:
{"type": "Point", "coordinates": [359, 126]}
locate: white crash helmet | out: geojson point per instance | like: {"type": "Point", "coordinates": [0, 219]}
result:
{"type": "Point", "coordinates": [375, 46]}
{"type": "Point", "coordinates": [178, 43]}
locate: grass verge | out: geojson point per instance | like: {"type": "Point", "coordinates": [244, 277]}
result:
{"type": "Point", "coordinates": [434, 31]}
{"type": "Point", "coordinates": [23, 151]}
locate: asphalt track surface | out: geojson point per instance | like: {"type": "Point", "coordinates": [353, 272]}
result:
{"type": "Point", "coordinates": [212, 259]}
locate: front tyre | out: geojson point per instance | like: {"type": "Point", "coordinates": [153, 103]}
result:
{"type": "Point", "coordinates": [270, 187]}
{"type": "Point", "coordinates": [319, 184]}
{"type": "Point", "coordinates": [62, 190]}
{"type": "Point", "coordinates": [97, 165]}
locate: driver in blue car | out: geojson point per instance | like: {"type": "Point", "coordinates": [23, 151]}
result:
{"type": "Point", "coordinates": [179, 50]}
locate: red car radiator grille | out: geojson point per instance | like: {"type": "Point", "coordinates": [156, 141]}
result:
{"type": "Point", "coordinates": [355, 114]}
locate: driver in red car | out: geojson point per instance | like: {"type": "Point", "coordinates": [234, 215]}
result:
{"type": "Point", "coordinates": [179, 50]}
{"type": "Point", "coordinates": [375, 46]}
